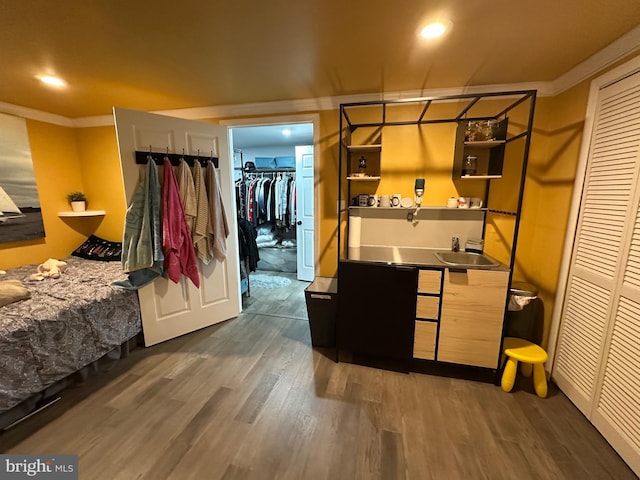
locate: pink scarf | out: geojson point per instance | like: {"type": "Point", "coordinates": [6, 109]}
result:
{"type": "Point", "coordinates": [179, 255]}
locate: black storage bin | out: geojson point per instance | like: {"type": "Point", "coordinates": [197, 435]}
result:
{"type": "Point", "coordinates": [527, 323]}
{"type": "Point", "coordinates": [322, 307]}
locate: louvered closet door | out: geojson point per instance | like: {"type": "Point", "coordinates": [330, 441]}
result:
{"type": "Point", "coordinates": [617, 407]}
{"type": "Point", "coordinates": [597, 360]}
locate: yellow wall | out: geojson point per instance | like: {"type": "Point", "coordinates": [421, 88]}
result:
{"type": "Point", "coordinates": [65, 160]}
{"type": "Point", "coordinates": [548, 192]}
{"type": "Point", "coordinates": [57, 170]}
{"type": "Point", "coordinates": [86, 159]}
{"type": "Point", "coordinates": [102, 176]}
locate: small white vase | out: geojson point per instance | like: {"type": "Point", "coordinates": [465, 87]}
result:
{"type": "Point", "coordinates": [78, 206]}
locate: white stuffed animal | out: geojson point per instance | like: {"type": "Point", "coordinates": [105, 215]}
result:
{"type": "Point", "coordinates": [52, 268]}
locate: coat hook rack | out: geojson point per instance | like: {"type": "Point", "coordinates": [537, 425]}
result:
{"type": "Point", "coordinates": [143, 157]}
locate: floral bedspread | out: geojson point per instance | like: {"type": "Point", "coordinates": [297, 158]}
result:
{"type": "Point", "coordinates": [67, 323]}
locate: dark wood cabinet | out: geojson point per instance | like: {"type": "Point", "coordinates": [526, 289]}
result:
{"type": "Point", "coordinates": [376, 309]}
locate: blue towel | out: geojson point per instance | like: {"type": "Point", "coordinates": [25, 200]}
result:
{"type": "Point", "coordinates": [142, 256]}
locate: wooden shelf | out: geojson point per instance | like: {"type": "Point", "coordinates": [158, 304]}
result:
{"type": "Point", "coordinates": [424, 207]}
{"type": "Point", "coordinates": [86, 213]}
{"type": "Point", "coordinates": [485, 144]}
{"type": "Point", "coordinates": [479, 177]}
{"type": "Point", "coordinates": [363, 148]}
{"type": "Point", "coordinates": [363, 179]}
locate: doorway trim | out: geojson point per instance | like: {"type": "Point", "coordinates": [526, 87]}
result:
{"type": "Point", "coordinates": [314, 119]}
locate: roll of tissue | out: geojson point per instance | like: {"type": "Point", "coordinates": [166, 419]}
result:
{"type": "Point", "coordinates": [355, 225]}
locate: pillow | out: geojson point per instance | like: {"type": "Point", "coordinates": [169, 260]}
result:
{"type": "Point", "coordinates": [12, 291]}
{"type": "Point", "coordinates": [96, 248]}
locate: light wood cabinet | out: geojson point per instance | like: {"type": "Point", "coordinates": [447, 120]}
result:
{"type": "Point", "coordinates": [429, 281]}
{"type": "Point", "coordinates": [427, 307]}
{"type": "Point", "coordinates": [424, 343]}
{"type": "Point", "coordinates": [473, 304]}
{"type": "Point", "coordinates": [427, 314]}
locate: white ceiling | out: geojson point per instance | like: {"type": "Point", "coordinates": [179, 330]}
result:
{"type": "Point", "coordinates": [166, 55]}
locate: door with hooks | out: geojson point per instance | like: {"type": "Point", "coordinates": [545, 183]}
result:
{"type": "Point", "coordinates": [169, 309]}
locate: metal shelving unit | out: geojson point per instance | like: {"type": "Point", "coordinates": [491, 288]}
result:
{"type": "Point", "coordinates": [390, 114]}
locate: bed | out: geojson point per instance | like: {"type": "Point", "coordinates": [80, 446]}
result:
{"type": "Point", "coordinates": [69, 326]}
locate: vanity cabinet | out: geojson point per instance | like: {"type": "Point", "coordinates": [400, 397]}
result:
{"type": "Point", "coordinates": [401, 312]}
{"type": "Point", "coordinates": [472, 315]}
{"type": "Point", "coordinates": [376, 309]}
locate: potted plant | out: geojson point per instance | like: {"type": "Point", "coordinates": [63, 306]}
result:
{"type": "Point", "coordinates": [78, 201]}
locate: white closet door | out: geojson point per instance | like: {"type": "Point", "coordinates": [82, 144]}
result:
{"type": "Point", "coordinates": [305, 233]}
{"type": "Point", "coordinates": [596, 362]}
{"type": "Point", "coordinates": [617, 408]}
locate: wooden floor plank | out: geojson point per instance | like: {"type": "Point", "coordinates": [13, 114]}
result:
{"type": "Point", "coordinates": [250, 399]}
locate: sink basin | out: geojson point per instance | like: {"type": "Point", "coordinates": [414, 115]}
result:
{"type": "Point", "coordinates": [465, 259]}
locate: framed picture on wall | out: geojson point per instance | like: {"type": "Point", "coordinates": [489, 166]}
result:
{"type": "Point", "coordinates": [20, 212]}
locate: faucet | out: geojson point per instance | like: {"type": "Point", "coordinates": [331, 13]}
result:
{"type": "Point", "coordinates": [455, 244]}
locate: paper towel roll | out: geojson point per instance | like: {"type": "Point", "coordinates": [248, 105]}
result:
{"type": "Point", "coordinates": [355, 224]}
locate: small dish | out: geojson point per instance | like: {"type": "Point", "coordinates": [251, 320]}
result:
{"type": "Point", "coordinates": [406, 202]}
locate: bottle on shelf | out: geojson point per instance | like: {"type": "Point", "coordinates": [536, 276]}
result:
{"type": "Point", "coordinates": [362, 166]}
{"type": "Point", "coordinates": [470, 165]}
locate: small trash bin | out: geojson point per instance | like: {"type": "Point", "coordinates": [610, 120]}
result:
{"type": "Point", "coordinates": [525, 315]}
{"type": "Point", "coordinates": [322, 308]}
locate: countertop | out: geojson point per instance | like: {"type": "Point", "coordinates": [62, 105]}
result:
{"type": "Point", "coordinates": [418, 257]}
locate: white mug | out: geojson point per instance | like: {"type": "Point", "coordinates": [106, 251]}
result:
{"type": "Point", "coordinates": [396, 198]}
{"type": "Point", "coordinates": [462, 203]}
{"type": "Point", "coordinates": [452, 202]}
{"type": "Point", "coordinates": [373, 200]}
{"type": "Point", "coordinates": [385, 201]}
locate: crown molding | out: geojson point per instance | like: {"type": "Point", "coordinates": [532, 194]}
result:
{"type": "Point", "coordinates": [617, 50]}
{"type": "Point", "coordinates": [624, 46]}
{"type": "Point", "coordinates": [38, 115]}
{"type": "Point", "coordinates": [314, 104]}
{"type": "Point", "coordinates": [95, 121]}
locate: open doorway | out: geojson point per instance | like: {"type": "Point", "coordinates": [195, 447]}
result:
{"type": "Point", "coordinates": [274, 175]}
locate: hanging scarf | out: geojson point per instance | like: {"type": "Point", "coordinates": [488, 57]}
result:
{"type": "Point", "coordinates": [217, 215]}
{"type": "Point", "coordinates": [179, 255]}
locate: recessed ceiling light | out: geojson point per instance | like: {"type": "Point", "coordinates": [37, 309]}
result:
{"type": "Point", "coordinates": [286, 132]}
{"type": "Point", "coordinates": [433, 30]}
{"type": "Point", "coordinates": [52, 81]}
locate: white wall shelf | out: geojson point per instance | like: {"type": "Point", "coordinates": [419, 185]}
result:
{"type": "Point", "coordinates": [86, 213]}
{"type": "Point", "coordinates": [423, 207]}
{"type": "Point", "coordinates": [364, 179]}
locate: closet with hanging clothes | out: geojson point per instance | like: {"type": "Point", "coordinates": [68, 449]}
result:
{"type": "Point", "coordinates": [268, 202]}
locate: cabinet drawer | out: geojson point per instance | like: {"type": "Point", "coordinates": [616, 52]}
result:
{"type": "Point", "coordinates": [429, 281]}
{"type": "Point", "coordinates": [427, 307]}
{"type": "Point", "coordinates": [424, 343]}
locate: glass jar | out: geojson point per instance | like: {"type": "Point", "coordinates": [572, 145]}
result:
{"type": "Point", "coordinates": [489, 129]}
{"type": "Point", "coordinates": [469, 165]}
{"type": "Point", "coordinates": [471, 132]}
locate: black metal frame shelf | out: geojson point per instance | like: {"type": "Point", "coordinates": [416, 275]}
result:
{"type": "Point", "coordinates": [419, 116]}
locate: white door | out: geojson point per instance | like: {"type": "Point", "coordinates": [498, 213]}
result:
{"type": "Point", "coordinates": [173, 309]}
{"type": "Point", "coordinates": [304, 210]}
{"type": "Point", "coordinates": [596, 362]}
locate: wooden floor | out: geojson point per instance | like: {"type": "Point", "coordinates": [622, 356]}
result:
{"type": "Point", "coordinates": [250, 399]}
